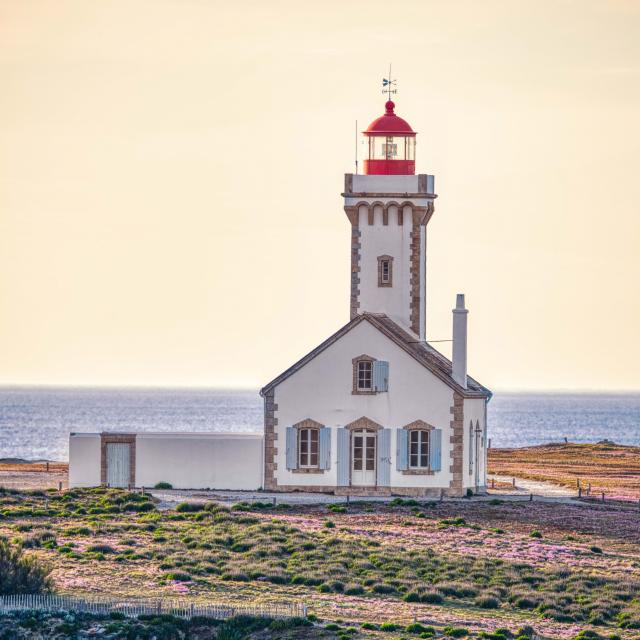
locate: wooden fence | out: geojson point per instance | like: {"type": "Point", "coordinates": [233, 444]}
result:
{"type": "Point", "coordinates": [133, 608]}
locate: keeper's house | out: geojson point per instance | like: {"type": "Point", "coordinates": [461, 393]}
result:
{"type": "Point", "coordinates": [375, 409]}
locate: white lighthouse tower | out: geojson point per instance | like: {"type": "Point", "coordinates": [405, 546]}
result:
{"type": "Point", "coordinates": [375, 409]}
{"type": "Point", "coordinates": [389, 208]}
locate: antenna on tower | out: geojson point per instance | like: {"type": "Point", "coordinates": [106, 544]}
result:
{"type": "Point", "coordinates": [388, 84]}
{"type": "Point", "coordinates": [356, 147]}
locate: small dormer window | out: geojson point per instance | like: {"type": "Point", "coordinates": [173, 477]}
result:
{"type": "Point", "coordinates": [385, 271]}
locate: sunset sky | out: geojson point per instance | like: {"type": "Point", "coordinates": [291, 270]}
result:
{"type": "Point", "coordinates": [170, 178]}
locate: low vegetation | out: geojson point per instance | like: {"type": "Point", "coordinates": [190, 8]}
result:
{"type": "Point", "coordinates": [386, 567]}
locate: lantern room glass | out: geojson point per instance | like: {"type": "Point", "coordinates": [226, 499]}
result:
{"type": "Point", "coordinates": [392, 147]}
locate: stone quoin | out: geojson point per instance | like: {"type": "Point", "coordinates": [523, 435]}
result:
{"type": "Point", "coordinates": [375, 409]}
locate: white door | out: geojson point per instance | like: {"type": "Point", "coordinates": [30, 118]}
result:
{"type": "Point", "coordinates": [363, 458]}
{"type": "Point", "coordinates": [118, 464]}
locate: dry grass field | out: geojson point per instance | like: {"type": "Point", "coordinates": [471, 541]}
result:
{"type": "Point", "coordinates": [609, 468]}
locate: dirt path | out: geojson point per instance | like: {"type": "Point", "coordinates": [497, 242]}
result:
{"type": "Point", "coordinates": [537, 488]}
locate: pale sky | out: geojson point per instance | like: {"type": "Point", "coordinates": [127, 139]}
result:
{"type": "Point", "coordinates": [170, 178]}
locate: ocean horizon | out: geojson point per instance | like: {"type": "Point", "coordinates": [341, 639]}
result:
{"type": "Point", "coordinates": [35, 422]}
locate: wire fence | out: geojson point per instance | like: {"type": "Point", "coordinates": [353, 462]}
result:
{"type": "Point", "coordinates": [137, 607]}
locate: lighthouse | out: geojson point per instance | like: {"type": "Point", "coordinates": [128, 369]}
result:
{"type": "Point", "coordinates": [375, 409]}
{"type": "Point", "coordinates": [389, 208]}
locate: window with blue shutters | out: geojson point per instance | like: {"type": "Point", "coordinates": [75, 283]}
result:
{"type": "Point", "coordinates": [435, 453]}
{"type": "Point", "coordinates": [342, 458]}
{"type": "Point", "coordinates": [418, 448]}
{"type": "Point", "coordinates": [292, 448]}
{"type": "Point", "coordinates": [380, 376]}
{"type": "Point", "coordinates": [402, 449]}
{"type": "Point", "coordinates": [325, 448]}
{"type": "Point", "coordinates": [308, 446]}
{"type": "Point", "coordinates": [370, 375]}
{"type": "Point", "coordinates": [383, 469]}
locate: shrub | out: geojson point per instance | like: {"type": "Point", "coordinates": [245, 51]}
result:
{"type": "Point", "coordinates": [535, 534]}
{"type": "Point", "coordinates": [595, 549]}
{"type": "Point", "coordinates": [369, 626]}
{"type": "Point", "coordinates": [390, 626]}
{"type": "Point", "coordinates": [455, 632]}
{"type": "Point", "coordinates": [354, 589]}
{"type": "Point", "coordinates": [526, 603]}
{"type": "Point", "coordinates": [432, 597]}
{"type": "Point", "coordinates": [487, 602]}
{"type": "Point", "coordinates": [412, 596]}
{"type": "Point", "coordinates": [453, 522]}
{"type": "Point", "coordinates": [178, 576]}
{"type": "Point", "coordinates": [163, 485]}
{"type": "Point", "coordinates": [20, 573]}
{"type": "Point", "coordinates": [138, 506]}
{"type": "Point", "coordinates": [329, 524]}
{"type": "Point", "coordinates": [383, 588]}
{"type": "Point", "coordinates": [416, 627]}
{"type": "Point", "coordinates": [337, 508]}
{"type": "Point", "coordinates": [100, 548]}
{"type": "Point", "coordinates": [190, 507]}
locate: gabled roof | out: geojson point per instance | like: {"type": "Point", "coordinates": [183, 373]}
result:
{"type": "Point", "coordinates": [423, 352]}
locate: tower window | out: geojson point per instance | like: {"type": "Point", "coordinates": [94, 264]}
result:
{"type": "Point", "coordinates": [385, 271]}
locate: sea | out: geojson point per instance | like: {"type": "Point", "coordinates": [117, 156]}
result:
{"type": "Point", "coordinates": [35, 422]}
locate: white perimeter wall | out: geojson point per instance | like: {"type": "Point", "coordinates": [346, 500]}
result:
{"type": "Point", "coordinates": [187, 461]}
{"type": "Point", "coordinates": [321, 390]}
{"type": "Point", "coordinates": [84, 460]}
{"type": "Point", "coordinates": [200, 461]}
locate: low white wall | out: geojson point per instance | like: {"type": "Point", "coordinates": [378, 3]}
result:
{"type": "Point", "coordinates": [84, 459]}
{"type": "Point", "coordinates": [200, 460]}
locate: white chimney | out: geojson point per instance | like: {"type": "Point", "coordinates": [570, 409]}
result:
{"type": "Point", "coordinates": [459, 357]}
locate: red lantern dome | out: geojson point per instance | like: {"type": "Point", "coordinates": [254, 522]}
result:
{"type": "Point", "coordinates": [392, 145]}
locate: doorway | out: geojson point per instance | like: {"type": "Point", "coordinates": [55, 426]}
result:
{"type": "Point", "coordinates": [363, 458]}
{"type": "Point", "coordinates": [118, 464]}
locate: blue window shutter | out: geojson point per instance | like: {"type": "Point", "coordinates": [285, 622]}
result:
{"type": "Point", "coordinates": [383, 470]}
{"type": "Point", "coordinates": [325, 448]}
{"type": "Point", "coordinates": [292, 448]}
{"type": "Point", "coordinates": [342, 461]}
{"type": "Point", "coordinates": [435, 450]}
{"type": "Point", "coordinates": [380, 375]}
{"type": "Point", "coordinates": [402, 449]}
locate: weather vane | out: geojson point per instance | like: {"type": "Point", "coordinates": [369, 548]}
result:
{"type": "Point", "coordinates": [388, 85]}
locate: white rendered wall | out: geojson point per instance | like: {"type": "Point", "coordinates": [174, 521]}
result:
{"type": "Point", "coordinates": [84, 460]}
{"type": "Point", "coordinates": [200, 460]}
{"type": "Point", "coordinates": [321, 390]}
{"type": "Point", "coordinates": [474, 411]}
{"type": "Point", "coordinates": [394, 240]}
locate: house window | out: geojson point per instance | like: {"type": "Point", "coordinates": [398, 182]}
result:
{"type": "Point", "coordinates": [365, 375]}
{"type": "Point", "coordinates": [308, 448]}
{"type": "Point", "coordinates": [385, 271]}
{"type": "Point", "coordinates": [418, 449]}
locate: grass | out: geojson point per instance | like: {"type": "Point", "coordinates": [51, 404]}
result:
{"type": "Point", "coordinates": [607, 467]}
{"type": "Point", "coordinates": [376, 563]}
